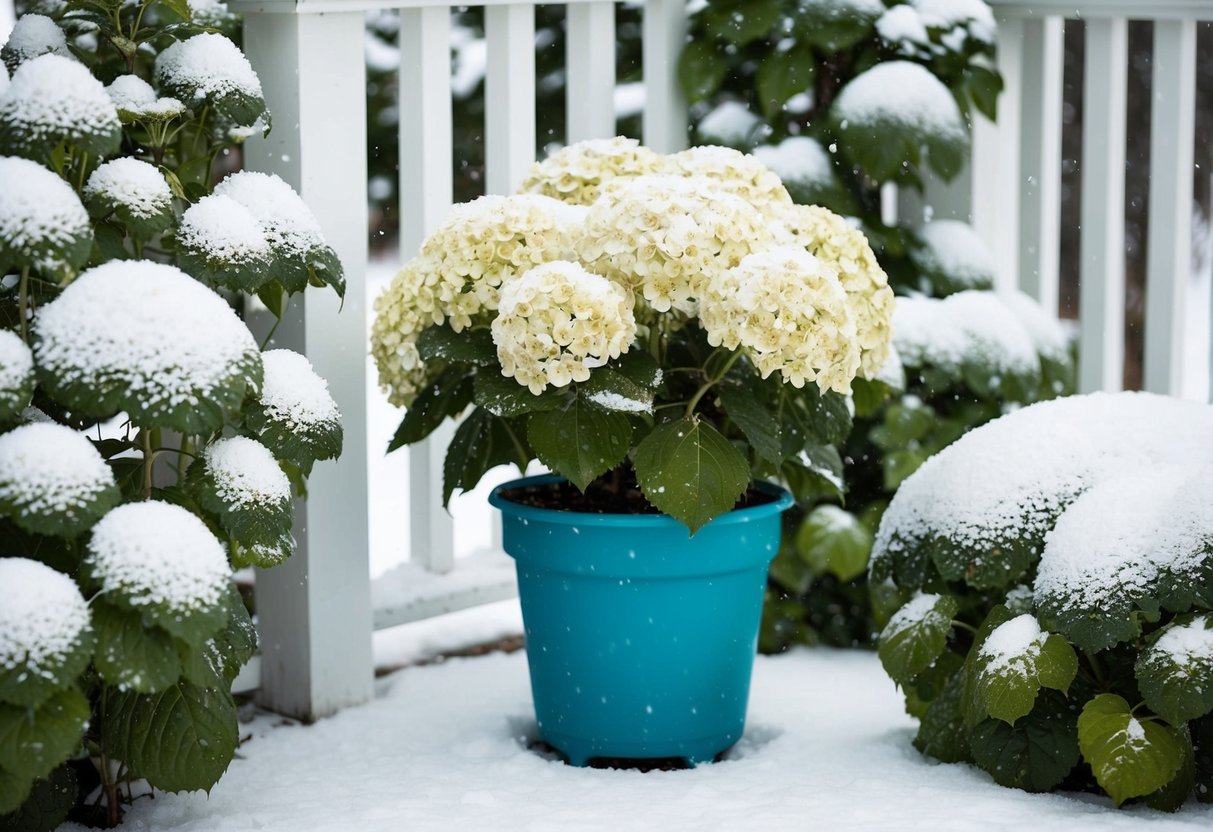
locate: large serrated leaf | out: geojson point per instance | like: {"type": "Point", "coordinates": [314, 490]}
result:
{"type": "Point", "coordinates": [217, 663]}
{"type": "Point", "coordinates": [1036, 753]}
{"type": "Point", "coordinates": [262, 529]}
{"type": "Point", "coordinates": [18, 686]}
{"type": "Point", "coordinates": [130, 654]}
{"type": "Point", "coordinates": [481, 442]}
{"type": "Point", "coordinates": [472, 346]}
{"type": "Point", "coordinates": [505, 397]}
{"type": "Point", "coordinates": [181, 739]}
{"type": "Point", "coordinates": [1006, 687]}
{"type": "Point", "coordinates": [33, 741]}
{"type": "Point", "coordinates": [915, 636]}
{"type": "Point", "coordinates": [690, 472]}
{"type": "Point", "coordinates": [46, 807]}
{"type": "Point", "coordinates": [1177, 684]}
{"type": "Point", "coordinates": [755, 418]}
{"type": "Point", "coordinates": [445, 398]}
{"type": "Point", "coordinates": [580, 442]}
{"type": "Point", "coordinates": [941, 731]}
{"type": "Point", "coordinates": [783, 75]}
{"type": "Point", "coordinates": [1129, 757]}
{"type": "Point", "coordinates": [701, 70]}
{"type": "Point", "coordinates": [615, 392]}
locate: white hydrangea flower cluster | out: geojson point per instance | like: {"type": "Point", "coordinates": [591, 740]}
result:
{"type": "Point", "coordinates": [666, 237]}
{"type": "Point", "coordinates": [787, 309]}
{"type": "Point", "coordinates": [458, 275]}
{"type": "Point", "coordinates": [557, 322]}
{"type": "Point", "coordinates": [736, 173]}
{"type": "Point", "coordinates": [576, 174]}
{"type": "Point", "coordinates": [844, 248]}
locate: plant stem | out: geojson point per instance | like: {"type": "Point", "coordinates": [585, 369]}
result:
{"type": "Point", "coordinates": [712, 382]}
{"type": "Point", "coordinates": [23, 304]}
{"type": "Point", "coordinates": [108, 784]}
{"type": "Point", "coordinates": [960, 625]}
{"type": "Point", "coordinates": [1096, 668]}
{"type": "Point", "coordinates": [149, 459]}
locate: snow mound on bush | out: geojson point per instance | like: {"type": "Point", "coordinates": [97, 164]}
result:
{"type": "Point", "coordinates": [904, 94]}
{"type": "Point", "coordinates": [968, 326]}
{"type": "Point", "coordinates": [223, 230]}
{"type": "Point", "coordinates": [902, 24]}
{"type": "Point", "coordinates": [16, 366]}
{"type": "Point", "coordinates": [1105, 489]}
{"type": "Point", "coordinates": [207, 65]}
{"type": "Point", "coordinates": [294, 395]}
{"type": "Point", "coordinates": [131, 183]}
{"type": "Point", "coordinates": [1011, 642]}
{"type": "Point", "coordinates": [135, 98]}
{"type": "Point", "coordinates": [798, 160]}
{"type": "Point", "coordinates": [952, 249]}
{"type": "Point", "coordinates": [284, 218]}
{"type": "Point", "coordinates": [46, 468]}
{"type": "Point", "coordinates": [42, 615]}
{"type": "Point", "coordinates": [158, 554]}
{"type": "Point", "coordinates": [975, 15]}
{"type": "Point", "coordinates": [38, 210]}
{"type": "Point", "coordinates": [34, 35]}
{"type": "Point", "coordinates": [246, 474]}
{"type": "Point", "coordinates": [731, 123]}
{"type": "Point", "coordinates": [52, 98]}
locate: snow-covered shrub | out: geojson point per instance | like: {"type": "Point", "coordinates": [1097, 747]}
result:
{"type": "Point", "coordinates": [1062, 563]}
{"type": "Point", "coordinates": [147, 445]}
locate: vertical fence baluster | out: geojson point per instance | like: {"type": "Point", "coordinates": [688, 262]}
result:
{"type": "Point", "coordinates": [1102, 286]}
{"type": "Point", "coordinates": [314, 611]}
{"type": "Point", "coordinates": [1172, 127]}
{"type": "Point", "coordinates": [665, 117]}
{"type": "Point", "coordinates": [509, 95]}
{"type": "Point", "coordinates": [1040, 160]}
{"type": "Point", "coordinates": [591, 70]}
{"type": "Point", "coordinates": [425, 195]}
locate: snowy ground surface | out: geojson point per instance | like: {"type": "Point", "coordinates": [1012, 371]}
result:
{"type": "Point", "coordinates": [444, 747]}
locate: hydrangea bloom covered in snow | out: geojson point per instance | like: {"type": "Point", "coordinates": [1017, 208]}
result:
{"type": "Point", "coordinates": [665, 237]}
{"type": "Point", "coordinates": [52, 99]}
{"type": "Point", "coordinates": [135, 190]}
{"type": "Point", "coordinates": [52, 480]}
{"type": "Point", "coordinates": [31, 36]}
{"type": "Point", "coordinates": [788, 310]}
{"type": "Point", "coordinates": [576, 173]}
{"type": "Point", "coordinates": [43, 617]}
{"type": "Point", "coordinates": [178, 357]}
{"type": "Point", "coordinates": [42, 223]}
{"type": "Point", "coordinates": [16, 374]}
{"type": "Point", "coordinates": [155, 554]}
{"type": "Point", "coordinates": [557, 322]}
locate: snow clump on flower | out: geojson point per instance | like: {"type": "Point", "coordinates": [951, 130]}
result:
{"type": "Point", "coordinates": [137, 101]}
{"type": "Point", "coordinates": [665, 237]}
{"type": "Point", "coordinates": [575, 174]}
{"type": "Point", "coordinates": [131, 184]}
{"type": "Point", "coordinates": [288, 224]}
{"type": "Point", "coordinates": [153, 553]}
{"type": "Point", "coordinates": [788, 310]}
{"type": "Point", "coordinates": [735, 173]}
{"type": "Point", "coordinates": [557, 322]}
{"type": "Point", "coordinates": [246, 474]}
{"type": "Point", "coordinates": [40, 215]}
{"type": "Point", "coordinates": [33, 35]}
{"type": "Point", "coordinates": [47, 470]}
{"type": "Point", "coordinates": [844, 248]}
{"type": "Point", "coordinates": [16, 373]}
{"type": "Point", "coordinates": [294, 395]}
{"type": "Point", "coordinates": [52, 99]}
{"type": "Point", "coordinates": [42, 616]}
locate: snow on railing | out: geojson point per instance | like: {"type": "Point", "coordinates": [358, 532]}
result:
{"type": "Point", "coordinates": [316, 613]}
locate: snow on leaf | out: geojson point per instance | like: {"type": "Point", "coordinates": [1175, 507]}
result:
{"type": "Point", "coordinates": [1175, 674]}
{"type": "Point", "coordinates": [31, 36]}
{"type": "Point", "coordinates": [52, 99]}
{"type": "Point", "coordinates": [42, 223]}
{"type": "Point", "coordinates": [147, 339]}
{"type": "Point", "coordinates": [137, 101]}
{"type": "Point", "coordinates": [246, 473]}
{"type": "Point", "coordinates": [969, 328]}
{"type": "Point", "coordinates": [134, 190]}
{"type": "Point", "coordinates": [953, 256]}
{"type": "Point", "coordinates": [210, 69]}
{"type": "Point", "coordinates": [916, 636]}
{"type": "Point", "coordinates": [294, 415]}
{"type": "Point", "coordinates": [43, 618]}
{"type": "Point", "coordinates": [800, 161]}
{"type": "Point", "coordinates": [16, 375]}
{"type": "Point", "coordinates": [221, 242]}
{"type": "Point", "coordinates": [1014, 662]}
{"type": "Point", "coordinates": [52, 480]}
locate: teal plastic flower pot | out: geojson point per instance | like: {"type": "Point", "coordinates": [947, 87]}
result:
{"type": "Point", "coordinates": [640, 638]}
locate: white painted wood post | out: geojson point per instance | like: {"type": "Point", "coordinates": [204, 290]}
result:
{"type": "Point", "coordinates": [314, 612]}
{"type": "Point", "coordinates": [8, 16]}
{"type": "Point", "coordinates": [1040, 159]}
{"type": "Point", "coordinates": [1169, 268]}
{"type": "Point", "coordinates": [426, 175]}
{"type": "Point", "coordinates": [509, 116]}
{"type": "Point", "coordinates": [590, 60]}
{"type": "Point", "coordinates": [665, 110]}
{"type": "Point", "coordinates": [1102, 282]}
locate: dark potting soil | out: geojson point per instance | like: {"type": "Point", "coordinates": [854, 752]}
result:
{"type": "Point", "coordinates": [615, 492]}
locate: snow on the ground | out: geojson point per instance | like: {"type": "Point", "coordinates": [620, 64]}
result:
{"type": "Point", "coordinates": [444, 747]}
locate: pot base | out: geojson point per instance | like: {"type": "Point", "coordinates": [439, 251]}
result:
{"type": "Point", "coordinates": [692, 752]}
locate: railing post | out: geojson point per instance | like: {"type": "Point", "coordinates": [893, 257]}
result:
{"type": "Point", "coordinates": [591, 70]}
{"type": "Point", "coordinates": [665, 115]}
{"type": "Point", "coordinates": [509, 111]}
{"type": "Point", "coordinates": [1102, 281]}
{"type": "Point", "coordinates": [314, 612]}
{"type": "Point", "coordinates": [1169, 268]}
{"type": "Point", "coordinates": [426, 175]}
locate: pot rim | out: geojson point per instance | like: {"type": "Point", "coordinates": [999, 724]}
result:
{"type": "Point", "coordinates": [783, 500]}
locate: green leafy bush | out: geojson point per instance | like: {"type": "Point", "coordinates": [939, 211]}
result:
{"type": "Point", "coordinates": [1062, 563]}
{"type": "Point", "coordinates": [147, 445]}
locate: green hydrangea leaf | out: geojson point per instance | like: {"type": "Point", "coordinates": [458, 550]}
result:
{"type": "Point", "coordinates": [482, 441]}
{"type": "Point", "coordinates": [1129, 757]}
{"type": "Point", "coordinates": [701, 70]}
{"type": "Point", "coordinates": [245, 275]}
{"type": "Point", "coordinates": [181, 739]}
{"type": "Point", "coordinates": [130, 654]}
{"type": "Point", "coordinates": [1172, 797]}
{"type": "Point", "coordinates": [690, 472]}
{"type": "Point", "coordinates": [16, 375]}
{"type": "Point", "coordinates": [261, 526]}
{"type": "Point", "coordinates": [14, 790]}
{"type": "Point", "coordinates": [49, 801]}
{"type": "Point", "coordinates": [498, 394]}
{"type": "Point", "coordinates": [25, 688]}
{"type": "Point", "coordinates": [1005, 686]}
{"type": "Point", "coordinates": [744, 403]}
{"type": "Point", "coordinates": [217, 663]}
{"type": "Point", "coordinates": [741, 22]}
{"type": "Point", "coordinates": [1175, 674]}
{"type": "Point", "coordinates": [915, 636]}
{"type": "Point", "coordinates": [614, 392]}
{"type": "Point", "coordinates": [33, 741]}
{"type": "Point", "coordinates": [1036, 753]}
{"type": "Point", "coordinates": [294, 443]}
{"type": "Point", "coordinates": [831, 539]}
{"type": "Point", "coordinates": [834, 26]}
{"type": "Point", "coordinates": [782, 75]}
{"type": "Point", "coordinates": [471, 346]}
{"type": "Point", "coordinates": [447, 397]}
{"type": "Point", "coordinates": [579, 441]}
{"type": "Point", "coordinates": [941, 731]}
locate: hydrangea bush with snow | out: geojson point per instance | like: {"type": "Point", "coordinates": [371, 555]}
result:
{"type": "Point", "coordinates": [148, 445]}
{"type": "Point", "coordinates": [1059, 635]}
{"type": "Point", "coordinates": [685, 332]}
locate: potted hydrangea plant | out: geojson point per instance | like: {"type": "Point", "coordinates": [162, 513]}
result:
{"type": "Point", "coordinates": [669, 335]}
